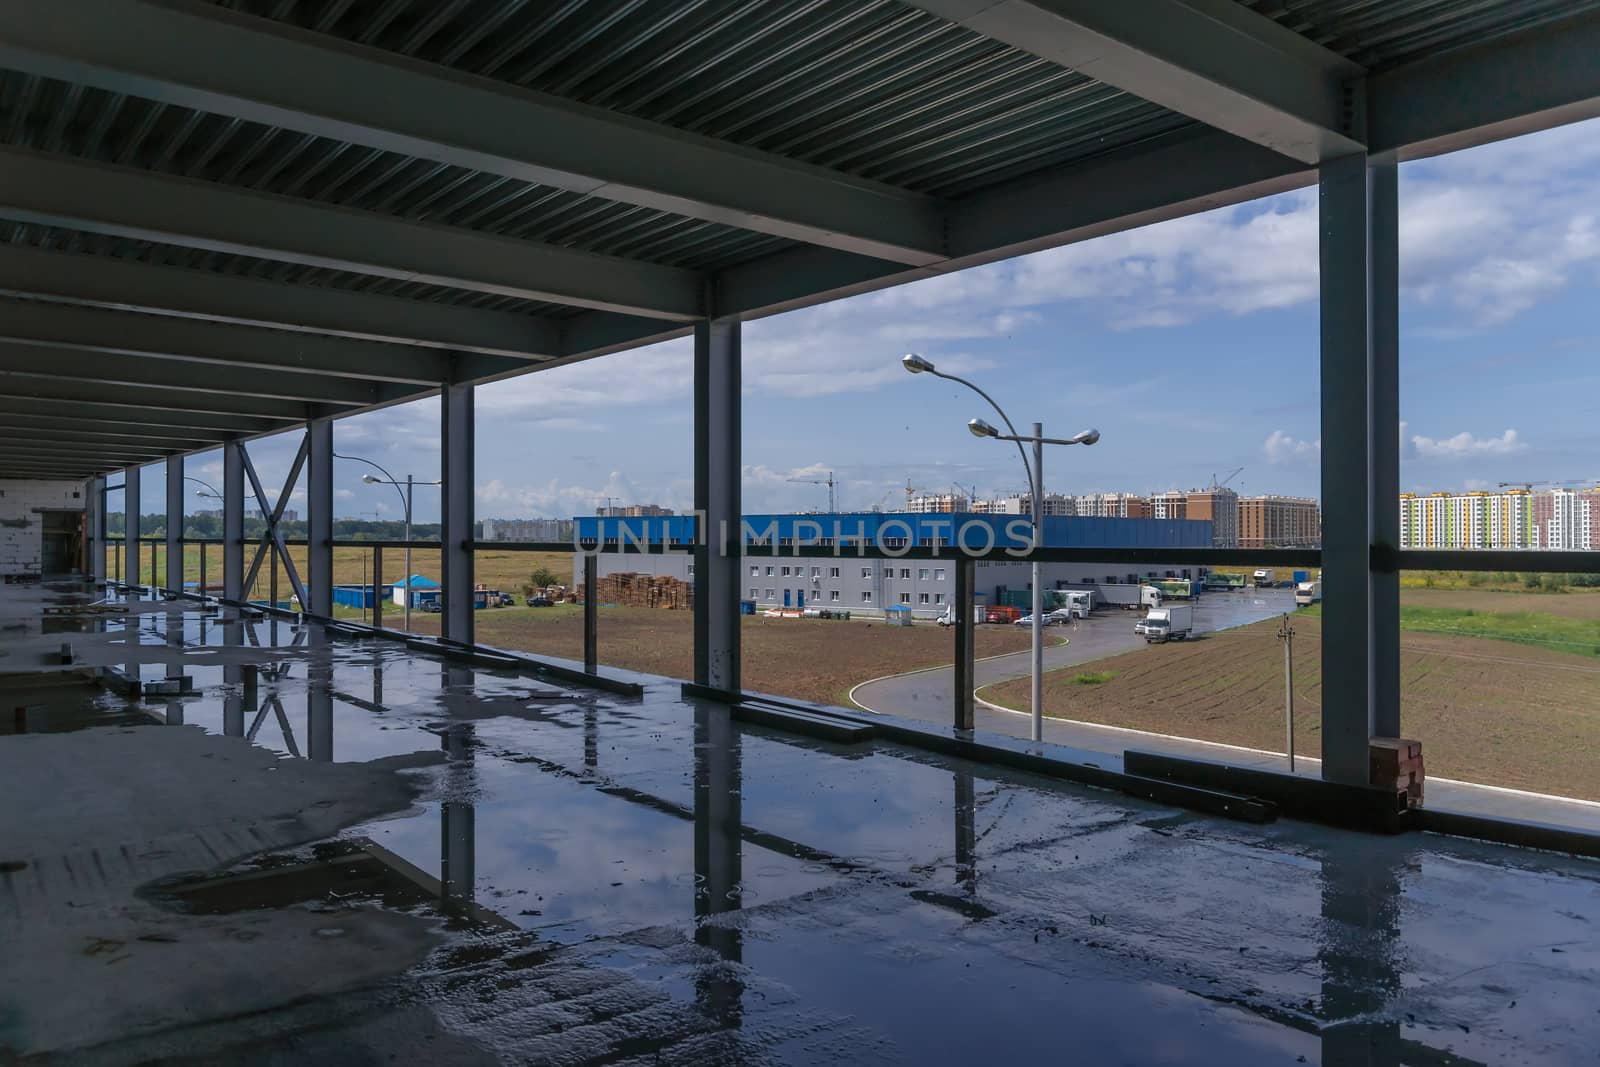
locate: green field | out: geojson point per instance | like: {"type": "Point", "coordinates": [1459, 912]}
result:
{"type": "Point", "coordinates": [1540, 629]}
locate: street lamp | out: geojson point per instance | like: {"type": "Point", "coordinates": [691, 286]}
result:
{"type": "Point", "coordinates": [409, 484]}
{"type": "Point", "coordinates": [915, 364]}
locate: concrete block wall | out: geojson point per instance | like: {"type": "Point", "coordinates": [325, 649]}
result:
{"type": "Point", "coordinates": [21, 525]}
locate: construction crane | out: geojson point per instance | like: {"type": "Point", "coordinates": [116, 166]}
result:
{"type": "Point", "coordinates": [828, 481]}
{"type": "Point", "coordinates": [1529, 485]}
{"type": "Point", "coordinates": [1222, 484]}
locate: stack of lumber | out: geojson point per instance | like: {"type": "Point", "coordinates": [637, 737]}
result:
{"type": "Point", "coordinates": [1397, 762]}
{"type": "Point", "coordinates": [643, 591]}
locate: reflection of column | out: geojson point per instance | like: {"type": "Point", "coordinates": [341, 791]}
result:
{"type": "Point", "coordinates": [591, 738]}
{"type": "Point", "coordinates": [718, 859]}
{"type": "Point", "coordinates": [1360, 974]}
{"type": "Point", "coordinates": [233, 703]}
{"type": "Point", "coordinates": [319, 696]}
{"type": "Point", "coordinates": [172, 624]}
{"type": "Point", "coordinates": [458, 823]}
{"type": "Point", "coordinates": [966, 827]}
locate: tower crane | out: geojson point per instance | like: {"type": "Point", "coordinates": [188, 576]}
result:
{"type": "Point", "coordinates": [1231, 476]}
{"type": "Point", "coordinates": [1557, 484]}
{"type": "Point", "coordinates": [828, 481]}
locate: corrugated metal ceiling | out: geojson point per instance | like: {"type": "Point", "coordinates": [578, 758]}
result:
{"type": "Point", "coordinates": [1380, 34]}
{"type": "Point", "coordinates": [873, 88]}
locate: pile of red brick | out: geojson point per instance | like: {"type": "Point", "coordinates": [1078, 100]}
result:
{"type": "Point", "coordinates": [643, 591]}
{"type": "Point", "coordinates": [1396, 762]}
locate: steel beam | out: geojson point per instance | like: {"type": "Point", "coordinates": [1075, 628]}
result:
{"type": "Point", "coordinates": [1166, 178]}
{"type": "Point", "coordinates": [118, 369]}
{"type": "Point", "coordinates": [70, 446]}
{"type": "Point", "coordinates": [203, 57]}
{"type": "Point", "coordinates": [964, 609]}
{"type": "Point", "coordinates": [1347, 680]}
{"type": "Point", "coordinates": [1513, 85]}
{"type": "Point", "coordinates": [319, 517]}
{"type": "Point", "coordinates": [233, 521]}
{"type": "Point", "coordinates": [116, 283]}
{"type": "Point", "coordinates": [718, 544]}
{"type": "Point", "coordinates": [174, 579]}
{"type": "Point", "coordinates": [53, 191]}
{"type": "Point", "coordinates": [1213, 60]}
{"type": "Point", "coordinates": [145, 398]}
{"type": "Point", "coordinates": [82, 431]}
{"type": "Point", "coordinates": [135, 421]}
{"type": "Point", "coordinates": [1384, 282]}
{"type": "Point", "coordinates": [184, 340]}
{"type": "Point", "coordinates": [457, 439]}
{"type": "Point", "coordinates": [46, 452]}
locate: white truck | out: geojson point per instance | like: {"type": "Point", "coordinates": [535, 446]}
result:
{"type": "Point", "coordinates": [1308, 593]}
{"type": "Point", "coordinates": [1128, 597]}
{"type": "Point", "coordinates": [1264, 579]}
{"type": "Point", "coordinates": [1173, 623]}
{"type": "Point", "coordinates": [1077, 603]}
{"type": "Point", "coordinates": [949, 616]}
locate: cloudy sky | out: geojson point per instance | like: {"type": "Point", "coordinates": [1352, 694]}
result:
{"type": "Point", "coordinates": [1192, 345]}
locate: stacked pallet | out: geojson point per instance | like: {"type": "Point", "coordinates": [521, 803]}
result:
{"type": "Point", "coordinates": [642, 591]}
{"type": "Point", "coordinates": [1397, 762]}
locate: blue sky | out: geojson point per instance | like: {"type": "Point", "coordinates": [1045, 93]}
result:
{"type": "Point", "coordinates": [1192, 346]}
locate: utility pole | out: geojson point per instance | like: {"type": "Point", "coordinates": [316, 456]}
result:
{"type": "Point", "coordinates": [1286, 635]}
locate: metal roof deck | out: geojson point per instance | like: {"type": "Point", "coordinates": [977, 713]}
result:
{"type": "Point", "coordinates": [433, 191]}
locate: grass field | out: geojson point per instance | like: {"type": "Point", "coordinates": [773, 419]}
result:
{"type": "Point", "coordinates": [497, 569]}
{"type": "Point", "coordinates": [1488, 711]}
{"type": "Point", "coordinates": [810, 659]}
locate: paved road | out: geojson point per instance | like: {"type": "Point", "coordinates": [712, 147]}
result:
{"type": "Point", "coordinates": [929, 695]}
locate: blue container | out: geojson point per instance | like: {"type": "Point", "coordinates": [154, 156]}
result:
{"type": "Point", "coordinates": [1302, 576]}
{"type": "Point", "coordinates": [747, 607]}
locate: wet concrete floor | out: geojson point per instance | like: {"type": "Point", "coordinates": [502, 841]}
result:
{"type": "Point", "coordinates": [583, 878]}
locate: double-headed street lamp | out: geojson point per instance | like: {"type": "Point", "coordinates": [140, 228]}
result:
{"type": "Point", "coordinates": [1035, 472]}
{"type": "Point", "coordinates": [405, 490]}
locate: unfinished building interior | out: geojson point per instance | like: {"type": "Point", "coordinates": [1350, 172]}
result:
{"type": "Point", "coordinates": [227, 220]}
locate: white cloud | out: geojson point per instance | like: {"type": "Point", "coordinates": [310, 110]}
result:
{"type": "Point", "coordinates": [1465, 446]}
{"type": "Point", "coordinates": [1474, 484]}
{"type": "Point", "coordinates": [1281, 448]}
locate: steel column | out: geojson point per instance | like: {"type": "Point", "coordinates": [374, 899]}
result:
{"type": "Point", "coordinates": [233, 521]}
{"type": "Point", "coordinates": [1383, 175]}
{"type": "Point", "coordinates": [964, 607]}
{"type": "Point", "coordinates": [174, 582]}
{"type": "Point", "coordinates": [95, 529]}
{"type": "Point", "coordinates": [1347, 682]}
{"type": "Point", "coordinates": [377, 591]}
{"type": "Point", "coordinates": [455, 531]}
{"type": "Point", "coordinates": [319, 517]}
{"type": "Point", "coordinates": [591, 613]}
{"type": "Point", "coordinates": [716, 500]}
{"type": "Point", "coordinates": [130, 524]}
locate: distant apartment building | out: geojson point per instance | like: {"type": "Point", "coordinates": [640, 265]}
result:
{"type": "Point", "coordinates": [1112, 506]}
{"type": "Point", "coordinates": [633, 511]}
{"type": "Point", "coordinates": [938, 503]}
{"type": "Point", "coordinates": [1218, 506]}
{"type": "Point", "coordinates": [1556, 520]}
{"type": "Point", "coordinates": [1279, 522]}
{"type": "Point", "coordinates": [1022, 504]}
{"type": "Point", "coordinates": [1171, 504]}
{"type": "Point", "coordinates": [527, 530]}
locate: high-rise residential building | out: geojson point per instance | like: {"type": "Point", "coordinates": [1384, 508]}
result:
{"type": "Point", "coordinates": [1171, 504]}
{"type": "Point", "coordinates": [938, 503]}
{"type": "Point", "coordinates": [1218, 505]}
{"type": "Point", "coordinates": [633, 511]}
{"type": "Point", "coordinates": [1113, 506]}
{"type": "Point", "coordinates": [1279, 522]}
{"type": "Point", "coordinates": [1554, 519]}
{"type": "Point", "coordinates": [527, 529]}
{"type": "Point", "coordinates": [1022, 504]}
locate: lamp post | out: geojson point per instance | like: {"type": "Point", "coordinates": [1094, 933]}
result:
{"type": "Point", "coordinates": [410, 485]}
{"type": "Point", "coordinates": [915, 364]}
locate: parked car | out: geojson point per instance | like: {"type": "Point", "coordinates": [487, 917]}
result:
{"type": "Point", "coordinates": [1051, 618]}
{"type": "Point", "coordinates": [1142, 626]}
{"type": "Point", "coordinates": [507, 600]}
{"type": "Point", "coordinates": [540, 602]}
{"type": "Point", "coordinates": [433, 606]}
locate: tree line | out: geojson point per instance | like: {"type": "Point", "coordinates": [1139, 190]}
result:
{"type": "Point", "coordinates": [210, 526]}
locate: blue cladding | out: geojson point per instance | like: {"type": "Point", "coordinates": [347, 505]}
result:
{"type": "Point", "coordinates": [899, 528]}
